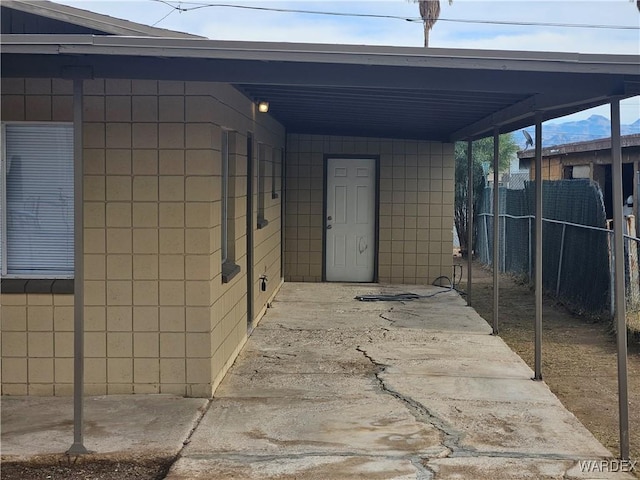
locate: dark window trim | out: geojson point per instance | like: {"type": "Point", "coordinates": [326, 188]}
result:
{"type": "Point", "coordinates": [229, 270]}
{"type": "Point", "coordinates": [261, 184]}
{"type": "Point", "coordinates": [23, 285]}
{"type": "Point", "coordinates": [274, 154]}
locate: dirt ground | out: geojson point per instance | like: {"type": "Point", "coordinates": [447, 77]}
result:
{"type": "Point", "coordinates": [90, 467]}
{"type": "Point", "coordinates": [578, 355]}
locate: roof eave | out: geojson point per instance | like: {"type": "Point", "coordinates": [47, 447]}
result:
{"type": "Point", "coordinates": [76, 16]}
{"type": "Point", "coordinates": [324, 53]}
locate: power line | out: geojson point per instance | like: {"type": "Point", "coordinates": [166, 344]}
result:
{"type": "Point", "coordinates": [284, 10]}
{"type": "Point", "coordinates": [170, 12]}
{"type": "Point", "coordinates": [198, 6]}
{"type": "Point", "coordinates": [541, 24]}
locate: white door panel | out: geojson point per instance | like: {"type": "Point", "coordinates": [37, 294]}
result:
{"type": "Point", "coordinates": [350, 221]}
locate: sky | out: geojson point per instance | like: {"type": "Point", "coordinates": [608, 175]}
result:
{"type": "Point", "coordinates": [453, 29]}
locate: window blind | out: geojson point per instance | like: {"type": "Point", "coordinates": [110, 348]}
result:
{"type": "Point", "coordinates": [38, 209]}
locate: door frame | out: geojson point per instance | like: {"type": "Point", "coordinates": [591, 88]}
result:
{"type": "Point", "coordinates": [347, 156]}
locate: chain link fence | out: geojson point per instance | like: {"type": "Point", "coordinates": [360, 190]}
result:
{"type": "Point", "coordinates": [576, 262]}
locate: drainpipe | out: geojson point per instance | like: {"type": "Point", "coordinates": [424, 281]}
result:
{"type": "Point", "coordinates": [620, 310]}
{"type": "Point", "coordinates": [538, 274]}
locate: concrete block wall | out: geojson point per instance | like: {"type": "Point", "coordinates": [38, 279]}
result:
{"type": "Point", "coordinates": [158, 317]}
{"type": "Point", "coordinates": [267, 253]}
{"type": "Point", "coordinates": [416, 206]}
{"type": "Point", "coordinates": [36, 329]}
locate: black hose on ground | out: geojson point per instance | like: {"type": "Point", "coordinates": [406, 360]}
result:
{"type": "Point", "coordinates": [403, 297]}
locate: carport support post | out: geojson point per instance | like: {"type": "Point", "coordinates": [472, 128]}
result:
{"type": "Point", "coordinates": [78, 447]}
{"type": "Point", "coordinates": [538, 250]}
{"type": "Point", "coordinates": [620, 310]}
{"type": "Point", "coordinates": [496, 227]}
{"type": "Point", "coordinates": [469, 218]}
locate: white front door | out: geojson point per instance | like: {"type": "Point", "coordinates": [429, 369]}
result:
{"type": "Point", "coordinates": [350, 219]}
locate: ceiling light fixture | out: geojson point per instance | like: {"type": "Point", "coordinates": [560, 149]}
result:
{"type": "Point", "coordinates": [263, 107]}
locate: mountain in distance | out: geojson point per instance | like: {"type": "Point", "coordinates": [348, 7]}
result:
{"type": "Point", "coordinates": [594, 127]}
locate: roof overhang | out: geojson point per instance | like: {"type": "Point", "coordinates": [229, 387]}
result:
{"type": "Point", "coordinates": [397, 92]}
{"type": "Point", "coordinates": [626, 141]}
{"type": "Point", "coordinates": [41, 16]}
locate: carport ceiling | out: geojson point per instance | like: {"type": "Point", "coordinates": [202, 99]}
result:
{"type": "Point", "coordinates": [364, 111]}
{"type": "Point", "coordinates": [392, 92]}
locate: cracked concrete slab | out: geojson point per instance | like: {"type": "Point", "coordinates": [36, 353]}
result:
{"type": "Point", "coordinates": [498, 468]}
{"type": "Point", "coordinates": [429, 354]}
{"type": "Point", "coordinates": [332, 388]}
{"type": "Point", "coordinates": [259, 426]}
{"type": "Point", "coordinates": [320, 467]}
{"type": "Point", "coordinates": [114, 424]}
{"type": "Point", "coordinates": [301, 386]}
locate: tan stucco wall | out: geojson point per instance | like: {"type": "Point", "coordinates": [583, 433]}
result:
{"type": "Point", "coordinates": [158, 318]}
{"type": "Point", "coordinates": [415, 201]}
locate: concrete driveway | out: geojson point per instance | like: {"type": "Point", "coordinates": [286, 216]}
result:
{"type": "Point", "coordinates": [328, 387]}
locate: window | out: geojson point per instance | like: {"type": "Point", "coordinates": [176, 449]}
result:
{"type": "Point", "coordinates": [275, 177]}
{"type": "Point", "coordinates": [262, 173]}
{"type": "Point", "coordinates": [567, 173]}
{"type": "Point", "coordinates": [36, 201]}
{"type": "Point", "coordinates": [227, 208]}
{"type": "Point", "coordinates": [225, 197]}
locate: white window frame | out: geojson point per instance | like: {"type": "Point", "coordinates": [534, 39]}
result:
{"type": "Point", "coordinates": [3, 208]}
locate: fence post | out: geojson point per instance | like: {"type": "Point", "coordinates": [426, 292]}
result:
{"type": "Point", "coordinates": [633, 295]}
{"type": "Point", "coordinates": [564, 228]}
{"type": "Point", "coordinates": [529, 239]}
{"type": "Point", "coordinates": [486, 237]}
{"type": "Point", "coordinates": [612, 273]}
{"type": "Point", "coordinates": [504, 243]}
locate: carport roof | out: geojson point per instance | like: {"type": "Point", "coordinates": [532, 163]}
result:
{"type": "Point", "coordinates": [392, 92]}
